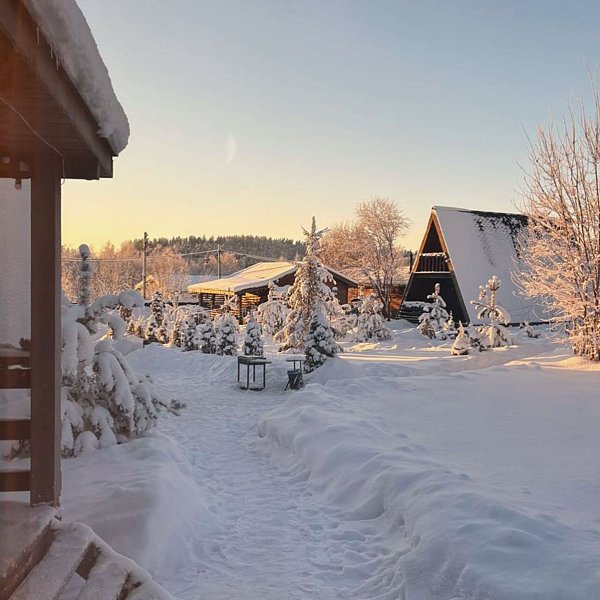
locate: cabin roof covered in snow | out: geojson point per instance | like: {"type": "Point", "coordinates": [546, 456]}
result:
{"type": "Point", "coordinates": [256, 276]}
{"type": "Point", "coordinates": [481, 244]}
{"type": "Point", "coordinates": [67, 32]}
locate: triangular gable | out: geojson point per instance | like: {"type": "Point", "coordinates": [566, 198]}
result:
{"type": "Point", "coordinates": [482, 244]}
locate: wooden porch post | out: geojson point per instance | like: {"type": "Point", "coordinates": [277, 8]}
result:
{"type": "Point", "coordinates": [45, 331]}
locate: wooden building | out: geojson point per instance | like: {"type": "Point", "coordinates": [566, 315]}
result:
{"type": "Point", "coordinates": [461, 250]}
{"type": "Point", "coordinates": [59, 119]}
{"type": "Point", "coordinates": [251, 285]}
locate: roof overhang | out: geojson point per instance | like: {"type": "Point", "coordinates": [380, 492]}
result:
{"type": "Point", "coordinates": [40, 108]}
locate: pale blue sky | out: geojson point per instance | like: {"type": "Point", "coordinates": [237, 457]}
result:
{"type": "Point", "coordinates": [251, 116]}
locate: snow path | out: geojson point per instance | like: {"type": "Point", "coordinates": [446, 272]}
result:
{"type": "Point", "coordinates": [276, 540]}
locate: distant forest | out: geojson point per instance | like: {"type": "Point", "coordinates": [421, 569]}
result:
{"type": "Point", "coordinates": [253, 245]}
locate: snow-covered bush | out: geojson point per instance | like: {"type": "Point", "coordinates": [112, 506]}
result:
{"type": "Point", "coordinates": [226, 330]}
{"type": "Point", "coordinates": [529, 331]}
{"type": "Point", "coordinates": [319, 342]}
{"type": "Point", "coordinates": [432, 321]}
{"type": "Point", "coordinates": [462, 343]}
{"type": "Point", "coordinates": [272, 314]}
{"type": "Point", "coordinates": [494, 333]}
{"type": "Point", "coordinates": [103, 400]}
{"type": "Point", "coordinates": [308, 294]}
{"type": "Point", "coordinates": [253, 344]}
{"type": "Point", "coordinates": [370, 324]}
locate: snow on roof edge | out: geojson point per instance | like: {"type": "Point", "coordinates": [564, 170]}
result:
{"type": "Point", "coordinates": [66, 30]}
{"type": "Point", "coordinates": [235, 282]}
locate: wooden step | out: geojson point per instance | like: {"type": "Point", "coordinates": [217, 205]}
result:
{"type": "Point", "coordinates": [105, 580]}
{"type": "Point", "coordinates": [51, 575]}
{"type": "Point", "coordinates": [25, 536]}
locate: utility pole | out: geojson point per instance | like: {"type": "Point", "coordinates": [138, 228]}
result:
{"type": "Point", "coordinates": [144, 273]}
{"type": "Point", "coordinates": [218, 261]}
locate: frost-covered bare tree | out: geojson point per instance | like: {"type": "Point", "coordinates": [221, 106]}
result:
{"type": "Point", "coordinates": [562, 247]}
{"type": "Point", "coordinates": [369, 247]}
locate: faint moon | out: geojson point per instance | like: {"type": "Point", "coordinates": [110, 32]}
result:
{"type": "Point", "coordinates": [230, 149]}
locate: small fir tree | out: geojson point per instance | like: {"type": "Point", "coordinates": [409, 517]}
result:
{"type": "Point", "coordinates": [494, 333]}
{"type": "Point", "coordinates": [158, 308]}
{"type": "Point", "coordinates": [425, 326]}
{"type": "Point", "coordinates": [226, 329]}
{"type": "Point", "coordinates": [434, 317]}
{"type": "Point", "coordinates": [272, 314]}
{"type": "Point", "coordinates": [370, 324]}
{"type": "Point", "coordinates": [151, 331]}
{"type": "Point", "coordinates": [190, 335]}
{"type": "Point", "coordinates": [461, 344]}
{"type": "Point", "coordinates": [449, 329]}
{"type": "Point", "coordinates": [253, 344]}
{"type": "Point", "coordinates": [206, 337]}
{"type": "Point", "coordinates": [319, 343]}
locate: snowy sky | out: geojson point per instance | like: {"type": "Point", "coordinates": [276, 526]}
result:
{"type": "Point", "coordinates": [250, 117]}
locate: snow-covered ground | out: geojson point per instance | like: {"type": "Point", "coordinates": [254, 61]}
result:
{"type": "Point", "coordinates": [398, 472]}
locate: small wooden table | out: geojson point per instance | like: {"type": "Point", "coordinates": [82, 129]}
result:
{"type": "Point", "coordinates": [253, 361]}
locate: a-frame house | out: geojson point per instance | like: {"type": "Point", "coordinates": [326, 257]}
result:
{"type": "Point", "coordinates": [461, 250]}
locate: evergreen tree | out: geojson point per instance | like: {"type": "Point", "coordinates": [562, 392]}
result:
{"type": "Point", "coordinates": [158, 308]}
{"type": "Point", "coordinates": [370, 324]}
{"type": "Point", "coordinates": [253, 344]}
{"type": "Point", "coordinates": [308, 295]}
{"type": "Point", "coordinates": [151, 330]}
{"type": "Point", "coordinates": [494, 333]}
{"type": "Point", "coordinates": [226, 334]}
{"type": "Point", "coordinates": [190, 335]}
{"type": "Point", "coordinates": [434, 316]}
{"type": "Point", "coordinates": [462, 343]}
{"type": "Point", "coordinates": [272, 314]}
{"type": "Point", "coordinates": [206, 337]}
{"type": "Point", "coordinates": [449, 329]}
{"type": "Point", "coordinates": [425, 326]}
{"type": "Point", "coordinates": [319, 342]}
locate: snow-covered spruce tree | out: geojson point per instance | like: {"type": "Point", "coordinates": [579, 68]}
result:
{"type": "Point", "coordinates": [85, 272]}
{"type": "Point", "coordinates": [560, 253]}
{"type": "Point", "coordinates": [272, 314]}
{"type": "Point", "coordinates": [370, 324]}
{"type": "Point", "coordinates": [151, 332]}
{"type": "Point", "coordinates": [158, 308]}
{"type": "Point", "coordinates": [189, 336]}
{"type": "Point", "coordinates": [226, 330]}
{"type": "Point", "coordinates": [253, 344]}
{"type": "Point", "coordinates": [319, 342]}
{"type": "Point", "coordinates": [438, 315]}
{"type": "Point", "coordinates": [494, 334]}
{"type": "Point", "coordinates": [206, 337]}
{"type": "Point", "coordinates": [425, 326]}
{"type": "Point", "coordinates": [461, 344]}
{"type": "Point", "coordinates": [449, 329]}
{"type": "Point", "coordinates": [308, 294]}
